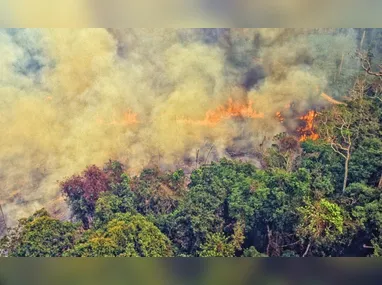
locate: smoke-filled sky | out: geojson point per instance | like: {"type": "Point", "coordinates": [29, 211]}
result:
{"type": "Point", "coordinates": [71, 98]}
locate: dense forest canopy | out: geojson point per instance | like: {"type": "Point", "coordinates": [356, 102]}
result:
{"type": "Point", "coordinates": [313, 188]}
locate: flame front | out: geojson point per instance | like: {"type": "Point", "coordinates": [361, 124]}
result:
{"type": "Point", "coordinates": [308, 132]}
{"type": "Point", "coordinates": [230, 110]}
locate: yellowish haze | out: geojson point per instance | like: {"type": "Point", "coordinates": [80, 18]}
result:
{"type": "Point", "coordinates": [71, 98]}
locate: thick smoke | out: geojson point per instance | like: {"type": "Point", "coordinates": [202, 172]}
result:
{"type": "Point", "coordinates": [65, 96]}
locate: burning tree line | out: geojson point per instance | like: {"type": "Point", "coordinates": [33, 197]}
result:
{"type": "Point", "coordinates": [228, 111]}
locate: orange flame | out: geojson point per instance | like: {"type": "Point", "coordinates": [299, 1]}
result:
{"type": "Point", "coordinates": [129, 118]}
{"type": "Point", "coordinates": [308, 132]}
{"type": "Point", "coordinates": [279, 117]}
{"type": "Point", "coordinates": [232, 109]}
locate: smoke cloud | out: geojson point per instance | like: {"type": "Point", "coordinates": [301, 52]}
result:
{"type": "Point", "coordinates": [71, 98]}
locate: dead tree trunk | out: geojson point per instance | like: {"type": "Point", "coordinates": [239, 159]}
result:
{"type": "Point", "coordinates": [342, 147]}
{"type": "Point", "coordinates": [197, 159]}
{"type": "Point", "coordinates": [3, 224]}
{"type": "Point", "coordinates": [338, 148]}
{"type": "Point", "coordinates": [380, 182]}
{"type": "Point", "coordinates": [347, 159]}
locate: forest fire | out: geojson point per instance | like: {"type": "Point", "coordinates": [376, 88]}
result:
{"type": "Point", "coordinates": [279, 117]}
{"type": "Point", "coordinates": [307, 131]}
{"type": "Point", "coordinates": [224, 112]}
{"type": "Point", "coordinates": [231, 109]}
{"type": "Point", "coordinates": [129, 118]}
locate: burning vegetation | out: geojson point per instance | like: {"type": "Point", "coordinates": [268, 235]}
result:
{"type": "Point", "coordinates": [234, 110]}
{"type": "Point", "coordinates": [307, 131]}
{"type": "Point", "coordinates": [230, 110]}
{"type": "Point", "coordinates": [280, 117]}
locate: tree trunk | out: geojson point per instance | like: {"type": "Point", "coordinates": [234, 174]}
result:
{"type": "Point", "coordinates": [197, 159]}
{"type": "Point", "coordinates": [342, 62]}
{"type": "Point", "coordinates": [208, 154]}
{"type": "Point", "coordinates": [307, 249]}
{"type": "Point", "coordinates": [3, 223]}
{"type": "Point", "coordinates": [269, 233]}
{"type": "Point", "coordinates": [362, 39]}
{"type": "Point", "coordinates": [346, 171]}
{"type": "Point", "coordinates": [380, 182]}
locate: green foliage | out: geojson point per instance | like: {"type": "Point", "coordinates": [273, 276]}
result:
{"type": "Point", "coordinates": [366, 163]}
{"type": "Point", "coordinates": [325, 166]}
{"type": "Point", "coordinates": [252, 252]}
{"type": "Point", "coordinates": [321, 220]}
{"type": "Point", "coordinates": [157, 193]}
{"type": "Point", "coordinates": [326, 227]}
{"type": "Point", "coordinates": [377, 247]}
{"type": "Point", "coordinates": [363, 205]}
{"type": "Point", "coordinates": [120, 200]}
{"type": "Point", "coordinates": [40, 236]}
{"type": "Point", "coordinates": [217, 245]}
{"type": "Point", "coordinates": [114, 170]}
{"type": "Point", "coordinates": [219, 195]}
{"type": "Point", "coordinates": [275, 204]}
{"type": "Point", "coordinates": [125, 235]}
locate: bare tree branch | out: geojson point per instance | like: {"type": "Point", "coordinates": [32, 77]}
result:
{"type": "Point", "coordinates": [366, 65]}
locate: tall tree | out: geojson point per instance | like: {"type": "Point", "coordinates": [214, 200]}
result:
{"type": "Point", "coordinates": [336, 129]}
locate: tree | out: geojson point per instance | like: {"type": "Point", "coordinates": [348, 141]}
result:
{"type": "Point", "coordinates": [336, 129]}
{"type": "Point", "coordinates": [324, 166]}
{"type": "Point", "coordinates": [277, 195]}
{"type": "Point", "coordinates": [252, 252]}
{"type": "Point", "coordinates": [320, 222]}
{"type": "Point", "coordinates": [219, 196]}
{"type": "Point", "coordinates": [372, 88]}
{"type": "Point", "coordinates": [362, 204]}
{"type": "Point", "coordinates": [114, 171]}
{"type": "Point", "coordinates": [121, 199]}
{"type": "Point", "coordinates": [158, 193]}
{"type": "Point", "coordinates": [344, 127]}
{"type": "Point", "coordinates": [366, 63]}
{"type": "Point", "coordinates": [366, 164]}
{"type": "Point", "coordinates": [40, 236]}
{"type": "Point", "coordinates": [82, 192]}
{"type": "Point", "coordinates": [283, 153]}
{"type": "Point", "coordinates": [217, 245]}
{"type": "Point", "coordinates": [125, 235]}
